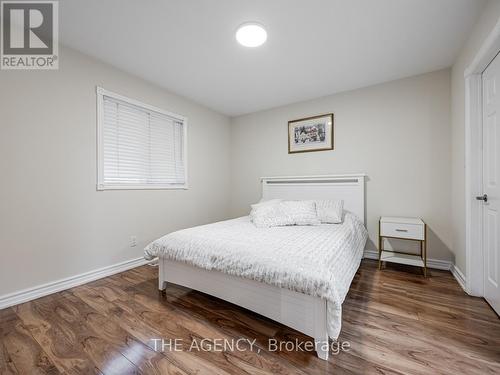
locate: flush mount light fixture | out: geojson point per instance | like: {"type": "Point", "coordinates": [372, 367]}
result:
{"type": "Point", "coordinates": [251, 34]}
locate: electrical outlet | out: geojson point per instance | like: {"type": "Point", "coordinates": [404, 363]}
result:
{"type": "Point", "coordinates": [133, 241]}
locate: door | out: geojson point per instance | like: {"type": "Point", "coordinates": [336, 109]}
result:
{"type": "Point", "coordinates": [491, 183]}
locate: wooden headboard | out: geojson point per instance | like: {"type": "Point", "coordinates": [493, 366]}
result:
{"type": "Point", "coordinates": [349, 187]}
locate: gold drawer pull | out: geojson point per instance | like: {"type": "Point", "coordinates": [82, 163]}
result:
{"type": "Point", "coordinates": [401, 230]}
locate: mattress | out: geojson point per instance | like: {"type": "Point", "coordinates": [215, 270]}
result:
{"type": "Point", "coordinates": [318, 260]}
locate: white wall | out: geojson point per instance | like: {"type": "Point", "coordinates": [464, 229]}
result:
{"type": "Point", "coordinates": [481, 30]}
{"type": "Point", "coordinates": [53, 222]}
{"type": "Point", "coordinates": [398, 133]}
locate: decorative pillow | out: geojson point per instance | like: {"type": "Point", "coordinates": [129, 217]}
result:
{"type": "Point", "coordinates": [262, 203]}
{"type": "Point", "coordinates": [330, 212]}
{"type": "Point", "coordinates": [285, 213]}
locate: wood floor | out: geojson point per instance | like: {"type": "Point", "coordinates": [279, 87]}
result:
{"type": "Point", "coordinates": [395, 322]}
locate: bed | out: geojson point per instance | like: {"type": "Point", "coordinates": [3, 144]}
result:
{"type": "Point", "coordinates": [296, 275]}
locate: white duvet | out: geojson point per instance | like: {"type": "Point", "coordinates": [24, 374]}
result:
{"type": "Point", "coordinates": [319, 260]}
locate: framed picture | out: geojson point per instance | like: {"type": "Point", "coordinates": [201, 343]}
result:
{"type": "Point", "coordinates": [311, 134]}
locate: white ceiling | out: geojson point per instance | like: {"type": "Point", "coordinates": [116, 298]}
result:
{"type": "Point", "coordinates": [314, 47]}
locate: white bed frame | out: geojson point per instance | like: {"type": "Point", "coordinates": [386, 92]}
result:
{"type": "Point", "coordinates": [302, 312]}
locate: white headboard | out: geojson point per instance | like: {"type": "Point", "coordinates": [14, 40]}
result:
{"type": "Point", "coordinates": [349, 187]}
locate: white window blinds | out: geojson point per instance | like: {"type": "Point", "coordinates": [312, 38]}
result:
{"type": "Point", "coordinates": [140, 147]}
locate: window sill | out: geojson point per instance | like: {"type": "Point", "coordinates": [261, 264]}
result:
{"type": "Point", "coordinates": [142, 187]}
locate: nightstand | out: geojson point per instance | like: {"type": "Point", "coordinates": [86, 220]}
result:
{"type": "Point", "coordinates": [403, 228]}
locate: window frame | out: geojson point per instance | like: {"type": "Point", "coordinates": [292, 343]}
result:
{"type": "Point", "coordinates": [101, 93]}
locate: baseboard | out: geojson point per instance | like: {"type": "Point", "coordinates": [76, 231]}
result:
{"type": "Point", "coordinates": [29, 294]}
{"type": "Point", "coordinates": [459, 276]}
{"type": "Point", "coordinates": [431, 263]}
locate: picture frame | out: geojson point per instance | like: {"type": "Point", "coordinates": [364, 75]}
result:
{"type": "Point", "coordinates": [311, 134]}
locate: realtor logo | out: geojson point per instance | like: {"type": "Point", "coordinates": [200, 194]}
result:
{"type": "Point", "coordinates": [29, 35]}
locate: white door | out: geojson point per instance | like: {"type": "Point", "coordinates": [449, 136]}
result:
{"type": "Point", "coordinates": [491, 183]}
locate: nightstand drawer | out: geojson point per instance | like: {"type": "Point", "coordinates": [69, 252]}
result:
{"type": "Point", "coordinates": [402, 230]}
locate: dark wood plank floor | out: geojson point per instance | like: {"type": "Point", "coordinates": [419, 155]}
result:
{"type": "Point", "coordinates": [395, 322]}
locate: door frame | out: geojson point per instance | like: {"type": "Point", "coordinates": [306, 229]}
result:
{"type": "Point", "coordinates": [474, 280]}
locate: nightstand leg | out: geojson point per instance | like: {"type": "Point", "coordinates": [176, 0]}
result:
{"type": "Point", "coordinates": [379, 253]}
{"type": "Point", "coordinates": [422, 254]}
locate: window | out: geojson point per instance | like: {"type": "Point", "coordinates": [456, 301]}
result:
{"type": "Point", "coordinates": [139, 146]}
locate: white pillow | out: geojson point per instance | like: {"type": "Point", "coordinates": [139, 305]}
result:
{"type": "Point", "coordinates": [330, 212]}
{"type": "Point", "coordinates": [285, 213]}
{"type": "Point", "coordinates": [262, 203]}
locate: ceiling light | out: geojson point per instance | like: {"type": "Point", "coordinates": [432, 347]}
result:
{"type": "Point", "coordinates": [251, 34]}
